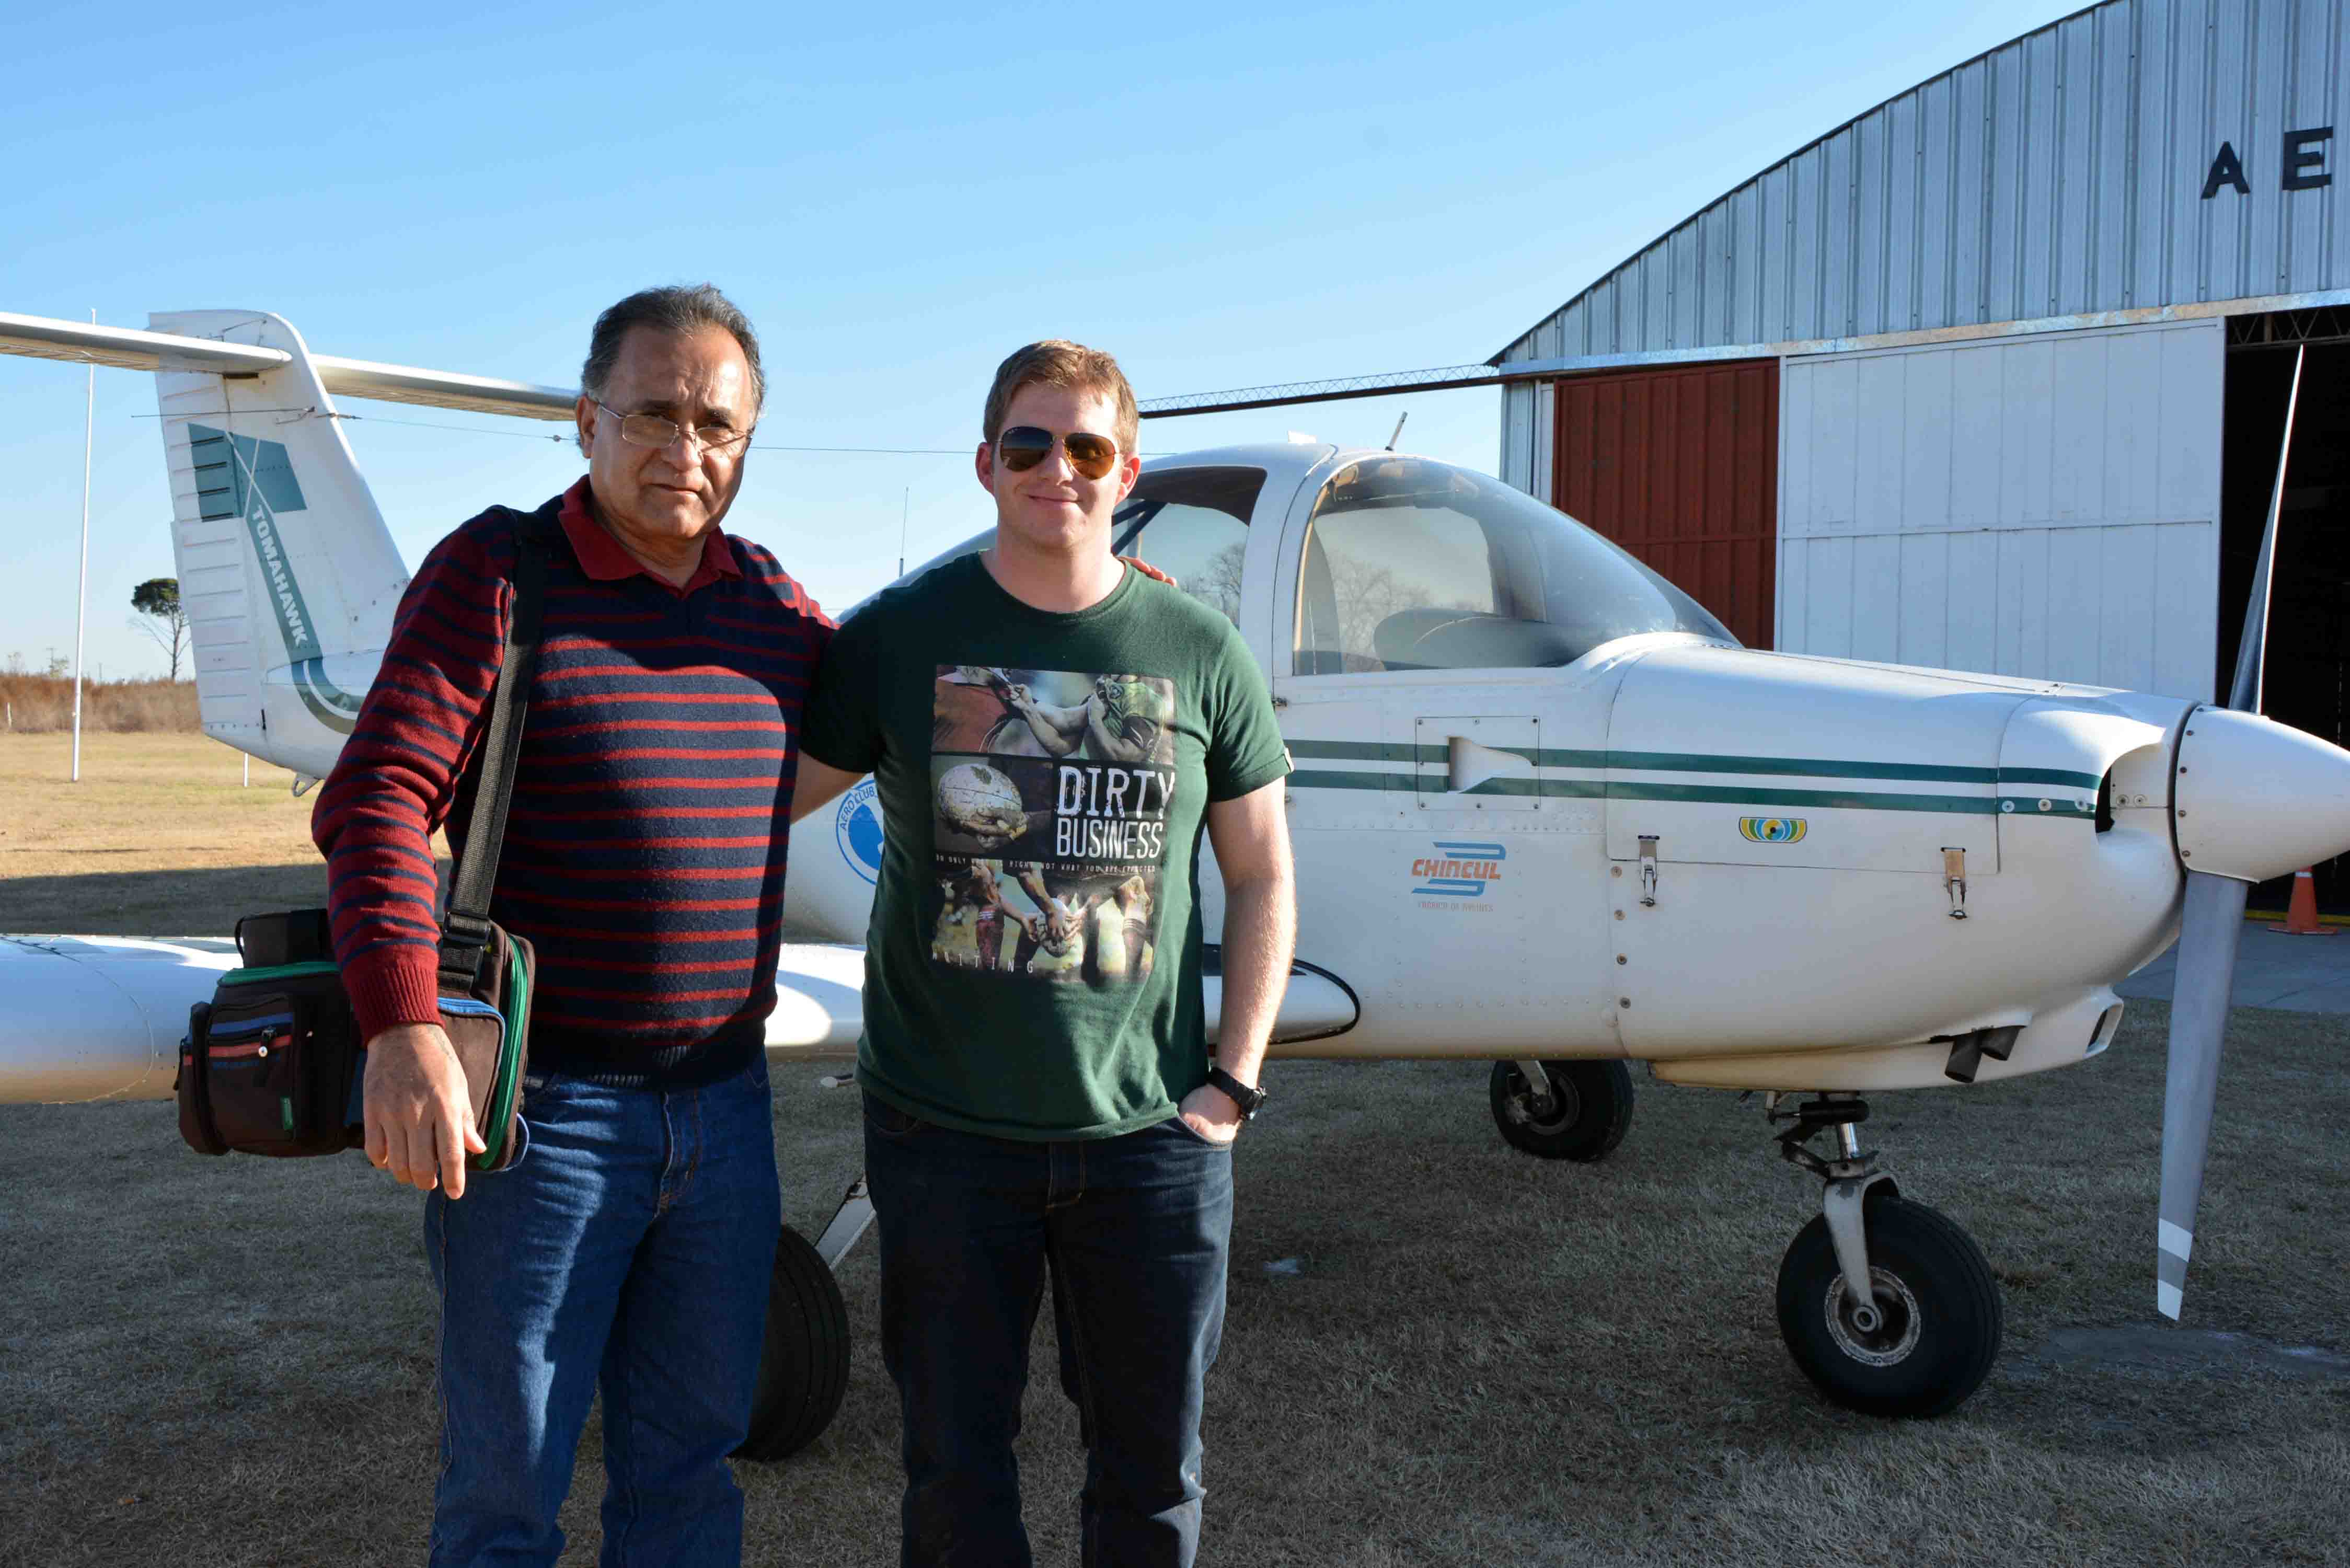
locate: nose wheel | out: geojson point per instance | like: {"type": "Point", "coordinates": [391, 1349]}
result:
{"type": "Point", "coordinates": [1887, 1305]}
{"type": "Point", "coordinates": [1562, 1110]}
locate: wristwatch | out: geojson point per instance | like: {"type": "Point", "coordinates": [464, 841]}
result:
{"type": "Point", "coordinates": [1250, 1101]}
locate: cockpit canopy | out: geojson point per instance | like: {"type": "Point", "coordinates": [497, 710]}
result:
{"type": "Point", "coordinates": [1414, 564]}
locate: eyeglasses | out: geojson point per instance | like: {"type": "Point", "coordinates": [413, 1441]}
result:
{"type": "Point", "coordinates": [1022, 447]}
{"type": "Point", "coordinates": [651, 430]}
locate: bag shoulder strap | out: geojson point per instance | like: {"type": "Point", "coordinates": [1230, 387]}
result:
{"type": "Point", "coordinates": [465, 929]}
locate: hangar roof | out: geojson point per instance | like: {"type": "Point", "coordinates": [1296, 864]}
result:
{"type": "Point", "coordinates": [2058, 177]}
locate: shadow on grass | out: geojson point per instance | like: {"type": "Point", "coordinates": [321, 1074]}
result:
{"type": "Point", "coordinates": [158, 903]}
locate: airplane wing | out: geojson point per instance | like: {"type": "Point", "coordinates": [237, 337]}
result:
{"type": "Point", "coordinates": [100, 1018]}
{"type": "Point", "coordinates": [87, 343]}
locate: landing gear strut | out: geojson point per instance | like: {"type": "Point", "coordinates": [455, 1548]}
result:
{"type": "Point", "coordinates": [1885, 1304]}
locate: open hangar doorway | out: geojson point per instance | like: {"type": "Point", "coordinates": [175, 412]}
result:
{"type": "Point", "coordinates": [2307, 682]}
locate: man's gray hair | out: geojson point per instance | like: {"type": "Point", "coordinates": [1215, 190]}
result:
{"type": "Point", "coordinates": [679, 307]}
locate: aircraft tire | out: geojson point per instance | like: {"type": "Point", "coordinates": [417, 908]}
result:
{"type": "Point", "coordinates": [1592, 1107]}
{"type": "Point", "coordinates": [1942, 1314]}
{"type": "Point", "coordinates": [804, 1365]}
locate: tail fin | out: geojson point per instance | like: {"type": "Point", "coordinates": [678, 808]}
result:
{"type": "Point", "coordinates": [286, 569]}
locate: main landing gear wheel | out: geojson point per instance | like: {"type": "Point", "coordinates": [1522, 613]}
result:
{"type": "Point", "coordinates": [803, 1366]}
{"type": "Point", "coordinates": [1583, 1115]}
{"type": "Point", "coordinates": [1928, 1339]}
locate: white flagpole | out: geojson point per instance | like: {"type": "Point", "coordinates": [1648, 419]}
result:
{"type": "Point", "coordinates": [81, 598]}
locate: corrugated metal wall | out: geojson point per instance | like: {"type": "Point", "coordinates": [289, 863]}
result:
{"type": "Point", "coordinates": [2059, 175]}
{"type": "Point", "coordinates": [2044, 506]}
{"type": "Point", "coordinates": [1679, 467]}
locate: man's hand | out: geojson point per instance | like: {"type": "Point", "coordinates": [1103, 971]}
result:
{"type": "Point", "coordinates": [420, 1114]}
{"type": "Point", "coordinates": [1210, 1112]}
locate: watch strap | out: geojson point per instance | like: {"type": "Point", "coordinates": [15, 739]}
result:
{"type": "Point", "coordinates": [1250, 1101]}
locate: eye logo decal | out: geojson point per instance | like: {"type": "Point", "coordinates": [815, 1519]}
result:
{"type": "Point", "coordinates": [1772, 829]}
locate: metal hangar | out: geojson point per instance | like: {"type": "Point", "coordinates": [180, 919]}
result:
{"type": "Point", "coordinates": [1994, 375]}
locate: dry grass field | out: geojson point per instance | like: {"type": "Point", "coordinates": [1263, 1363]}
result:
{"type": "Point", "coordinates": [1466, 1356]}
{"type": "Point", "coordinates": [160, 837]}
{"type": "Point", "coordinates": [30, 703]}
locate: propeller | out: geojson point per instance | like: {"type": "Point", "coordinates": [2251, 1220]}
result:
{"type": "Point", "coordinates": [2209, 927]}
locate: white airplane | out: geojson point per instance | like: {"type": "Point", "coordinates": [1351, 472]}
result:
{"type": "Point", "coordinates": [1546, 813]}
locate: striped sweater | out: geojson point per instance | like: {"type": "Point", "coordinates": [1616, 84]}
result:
{"type": "Point", "coordinates": [644, 850]}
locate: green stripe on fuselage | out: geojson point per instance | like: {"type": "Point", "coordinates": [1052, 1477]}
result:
{"type": "Point", "coordinates": [1693, 761]}
{"type": "Point", "coordinates": [1367, 751]}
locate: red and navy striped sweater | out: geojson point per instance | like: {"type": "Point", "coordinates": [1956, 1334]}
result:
{"type": "Point", "coordinates": [644, 850]}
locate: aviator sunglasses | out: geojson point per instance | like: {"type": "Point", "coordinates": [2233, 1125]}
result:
{"type": "Point", "coordinates": [1022, 447]}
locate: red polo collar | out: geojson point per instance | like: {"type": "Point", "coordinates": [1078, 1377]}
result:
{"type": "Point", "coordinates": [604, 559]}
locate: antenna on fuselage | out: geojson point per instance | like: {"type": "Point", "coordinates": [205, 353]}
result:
{"type": "Point", "coordinates": [1398, 430]}
{"type": "Point", "coordinates": [905, 510]}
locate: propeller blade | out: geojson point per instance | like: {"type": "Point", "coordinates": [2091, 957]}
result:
{"type": "Point", "coordinates": [2252, 648]}
{"type": "Point", "coordinates": [2209, 926]}
{"type": "Point", "coordinates": [2213, 921]}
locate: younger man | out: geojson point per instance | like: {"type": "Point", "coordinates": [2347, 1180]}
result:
{"type": "Point", "coordinates": [1058, 1113]}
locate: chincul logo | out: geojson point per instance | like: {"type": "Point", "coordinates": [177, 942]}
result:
{"type": "Point", "coordinates": [856, 828]}
{"type": "Point", "coordinates": [1459, 870]}
{"type": "Point", "coordinates": [1772, 829]}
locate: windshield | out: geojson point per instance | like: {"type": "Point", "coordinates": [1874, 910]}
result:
{"type": "Point", "coordinates": [1413, 565]}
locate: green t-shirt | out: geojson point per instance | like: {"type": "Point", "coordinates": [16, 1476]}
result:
{"type": "Point", "coordinates": [1032, 970]}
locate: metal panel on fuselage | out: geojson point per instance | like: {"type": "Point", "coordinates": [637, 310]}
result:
{"type": "Point", "coordinates": [1809, 853]}
{"type": "Point", "coordinates": [1860, 768]}
{"type": "Point", "coordinates": [1806, 840]}
{"type": "Point", "coordinates": [1470, 924]}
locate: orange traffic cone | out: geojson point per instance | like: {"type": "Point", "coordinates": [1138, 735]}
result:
{"type": "Point", "coordinates": [2301, 919]}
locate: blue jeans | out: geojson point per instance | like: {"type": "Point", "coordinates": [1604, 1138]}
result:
{"type": "Point", "coordinates": [630, 1249]}
{"type": "Point", "coordinates": [1133, 1232]}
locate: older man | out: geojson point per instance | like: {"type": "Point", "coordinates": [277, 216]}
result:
{"type": "Point", "coordinates": [632, 1245]}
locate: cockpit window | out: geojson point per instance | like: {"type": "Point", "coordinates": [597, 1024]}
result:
{"type": "Point", "coordinates": [1412, 564]}
{"type": "Point", "coordinates": [1192, 524]}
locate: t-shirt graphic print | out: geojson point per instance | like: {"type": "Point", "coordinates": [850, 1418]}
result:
{"type": "Point", "coordinates": [1033, 963]}
{"type": "Point", "coordinates": [1049, 794]}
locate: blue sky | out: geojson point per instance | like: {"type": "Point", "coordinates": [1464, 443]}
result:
{"type": "Point", "coordinates": [1222, 196]}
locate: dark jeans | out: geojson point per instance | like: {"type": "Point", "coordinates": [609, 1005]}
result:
{"type": "Point", "coordinates": [1133, 1232]}
{"type": "Point", "coordinates": [629, 1248]}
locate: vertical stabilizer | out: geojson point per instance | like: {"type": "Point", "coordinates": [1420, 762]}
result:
{"type": "Point", "coordinates": [285, 567]}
